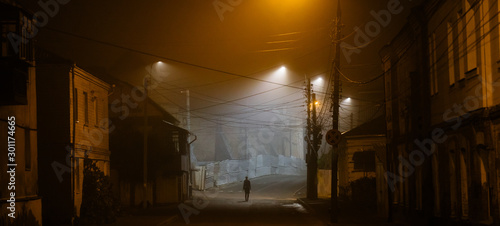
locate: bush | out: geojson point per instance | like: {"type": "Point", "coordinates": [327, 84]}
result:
{"type": "Point", "coordinates": [359, 196]}
{"type": "Point", "coordinates": [98, 203]}
{"type": "Point", "coordinates": [364, 193]}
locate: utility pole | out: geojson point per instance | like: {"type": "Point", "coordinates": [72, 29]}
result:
{"type": "Point", "coordinates": [145, 143]}
{"type": "Point", "coordinates": [190, 151]}
{"type": "Point", "coordinates": [188, 114]}
{"type": "Point", "coordinates": [352, 121]}
{"type": "Point", "coordinates": [337, 30]}
{"type": "Point", "coordinates": [314, 149]}
{"type": "Point", "coordinates": [310, 176]}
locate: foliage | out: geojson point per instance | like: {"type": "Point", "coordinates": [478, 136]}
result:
{"type": "Point", "coordinates": [325, 161]}
{"type": "Point", "coordinates": [24, 218]}
{"type": "Point", "coordinates": [360, 195]}
{"type": "Point", "coordinates": [98, 203]}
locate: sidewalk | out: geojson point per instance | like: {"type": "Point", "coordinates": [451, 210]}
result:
{"type": "Point", "coordinates": [156, 216]}
{"type": "Point", "coordinates": [321, 208]}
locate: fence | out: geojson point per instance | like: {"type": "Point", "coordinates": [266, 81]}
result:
{"type": "Point", "coordinates": [229, 171]}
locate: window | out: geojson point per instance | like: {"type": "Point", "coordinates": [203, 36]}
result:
{"type": "Point", "coordinates": [470, 32]}
{"type": "Point", "coordinates": [175, 140]}
{"type": "Point", "coordinates": [75, 104]}
{"type": "Point", "coordinates": [461, 46]}
{"type": "Point", "coordinates": [27, 149]}
{"type": "Point", "coordinates": [86, 107]}
{"type": "Point", "coordinates": [435, 181]}
{"type": "Point", "coordinates": [498, 22]}
{"type": "Point", "coordinates": [96, 108]}
{"type": "Point", "coordinates": [433, 64]}
{"type": "Point", "coordinates": [451, 55]}
{"type": "Point", "coordinates": [8, 28]}
{"type": "Point", "coordinates": [418, 188]}
{"type": "Point", "coordinates": [364, 161]}
{"type": "Point", "coordinates": [20, 28]}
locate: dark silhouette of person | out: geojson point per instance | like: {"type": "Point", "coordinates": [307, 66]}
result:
{"type": "Point", "coordinates": [247, 187]}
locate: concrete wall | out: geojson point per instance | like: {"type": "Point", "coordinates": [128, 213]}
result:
{"type": "Point", "coordinates": [324, 183]}
{"type": "Point", "coordinates": [229, 171]}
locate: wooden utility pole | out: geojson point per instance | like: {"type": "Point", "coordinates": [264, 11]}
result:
{"type": "Point", "coordinates": [337, 30]}
{"type": "Point", "coordinates": [314, 148]}
{"type": "Point", "coordinates": [312, 139]}
{"type": "Point", "coordinates": [352, 121]}
{"type": "Point", "coordinates": [310, 176]}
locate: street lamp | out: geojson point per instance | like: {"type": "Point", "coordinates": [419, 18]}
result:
{"type": "Point", "coordinates": [147, 85]}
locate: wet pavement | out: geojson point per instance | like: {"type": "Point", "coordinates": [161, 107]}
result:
{"type": "Point", "coordinates": [274, 200]}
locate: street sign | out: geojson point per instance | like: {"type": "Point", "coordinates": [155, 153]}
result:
{"type": "Point", "coordinates": [333, 137]}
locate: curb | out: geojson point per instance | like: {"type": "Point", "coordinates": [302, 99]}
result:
{"type": "Point", "coordinates": [306, 205]}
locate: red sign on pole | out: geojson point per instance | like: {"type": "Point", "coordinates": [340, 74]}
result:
{"type": "Point", "coordinates": [333, 137]}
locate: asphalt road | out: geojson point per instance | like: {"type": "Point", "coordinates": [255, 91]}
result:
{"type": "Point", "coordinates": [272, 202]}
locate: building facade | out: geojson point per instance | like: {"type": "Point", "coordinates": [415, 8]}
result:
{"type": "Point", "coordinates": [442, 100]}
{"type": "Point", "coordinates": [167, 165]}
{"type": "Point", "coordinates": [73, 124]}
{"type": "Point", "coordinates": [20, 200]}
{"type": "Point", "coordinates": [362, 156]}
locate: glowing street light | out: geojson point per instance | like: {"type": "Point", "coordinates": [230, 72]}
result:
{"type": "Point", "coordinates": [318, 81]}
{"type": "Point", "coordinates": [281, 71]}
{"type": "Point", "coordinates": [278, 74]}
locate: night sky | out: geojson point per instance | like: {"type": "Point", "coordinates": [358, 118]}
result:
{"type": "Point", "coordinates": [230, 64]}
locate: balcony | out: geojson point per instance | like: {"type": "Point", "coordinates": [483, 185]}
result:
{"type": "Point", "coordinates": [16, 32]}
{"type": "Point", "coordinates": [16, 54]}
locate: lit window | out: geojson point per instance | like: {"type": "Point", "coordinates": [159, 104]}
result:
{"type": "Point", "coordinates": [461, 46]}
{"type": "Point", "coordinates": [470, 37]}
{"type": "Point", "coordinates": [96, 112]}
{"type": "Point", "coordinates": [75, 104]}
{"type": "Point", "coordinates": [86, 107]}
{"type": "Point", "coordinates": [451, 55]}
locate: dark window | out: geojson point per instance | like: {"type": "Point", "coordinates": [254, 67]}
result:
{"type": "Point", "coordinates": [364, 161]}
{"type": "Point", "coordinates": [14, 84]}
{"type": "Point", "coordinates": [9, 28]}
{"type": "Point", "coordinates": [19, 30]}
{"type": "Point", "coordinates": [175, 140]}
{"type": "Point", "coordinates": [27, 151]}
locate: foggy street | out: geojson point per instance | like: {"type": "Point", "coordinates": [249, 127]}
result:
{"type": "Point", "coordinates": [273, 201]}
{"type": "Point", "coordinates": [120, 112]}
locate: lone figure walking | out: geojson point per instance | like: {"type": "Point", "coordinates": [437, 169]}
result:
{"type": "Point", "coordinates": [247, 187]}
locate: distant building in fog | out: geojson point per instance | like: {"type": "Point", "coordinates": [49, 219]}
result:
{"type": "Point", "coordinates": [18, 100]}
{"type": "Point", "coordinates": [72, 112]}
{"type": "Point", "coordinates": [442, 111]}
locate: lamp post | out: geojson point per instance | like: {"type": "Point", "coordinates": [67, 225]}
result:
{"type": "Point", "coordinates": [337, 30]}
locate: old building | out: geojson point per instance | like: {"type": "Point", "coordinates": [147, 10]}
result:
{"type": "Point", "coordinates": [362, 155]}
{"type": "Point", "coordinates": [442, 101]}
{"type": "Point", "coordinates": [19, 195]}
{"type": "Point", "coordinates": [73, 124]}
{"type": "Point", "coordinates": [167, 150]}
